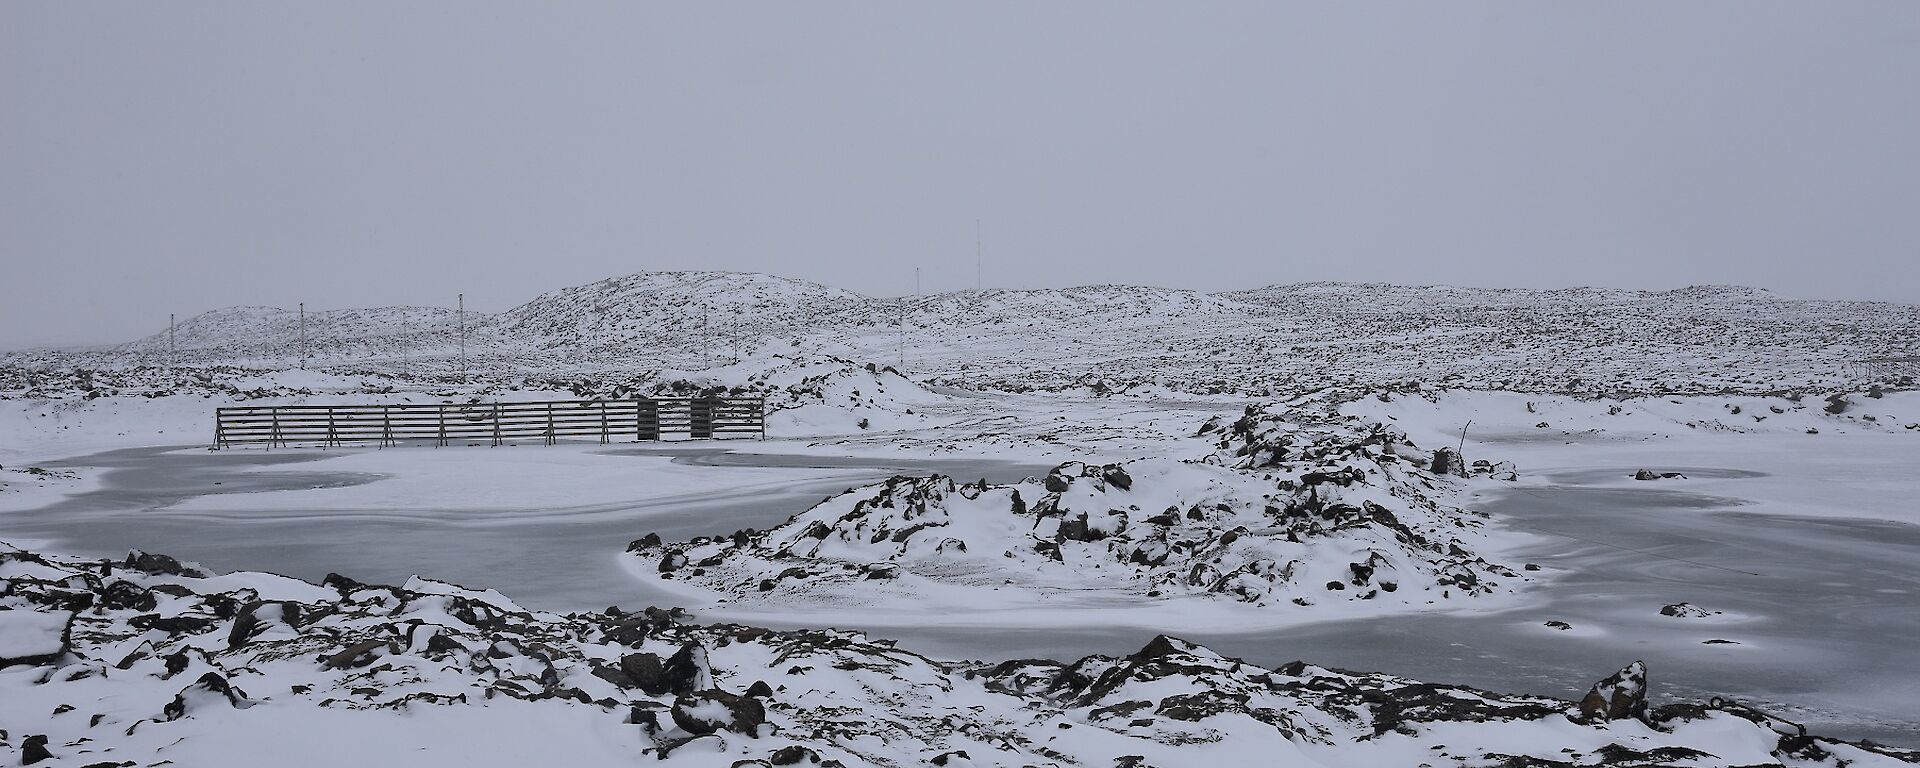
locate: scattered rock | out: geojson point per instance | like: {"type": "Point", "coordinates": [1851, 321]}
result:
{"type": "Point", "coordinates": [1685, 611]}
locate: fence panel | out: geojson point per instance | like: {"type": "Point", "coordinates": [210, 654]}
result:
{"type": "Point", "coordinates": [609, 420]}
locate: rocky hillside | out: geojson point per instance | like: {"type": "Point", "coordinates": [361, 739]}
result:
{"type": "Point", "coordinates": [1287, 338]}
{"type": "Point", "coordinates": [148, 661]}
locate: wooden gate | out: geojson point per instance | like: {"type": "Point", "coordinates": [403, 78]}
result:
{"type": "Point", "coordinates": [610, 420]}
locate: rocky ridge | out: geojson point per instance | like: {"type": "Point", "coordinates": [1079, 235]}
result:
{"type": "Point", "coordinates": [1295, 509]}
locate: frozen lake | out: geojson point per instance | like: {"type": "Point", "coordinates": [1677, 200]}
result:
{"type": "Point", "coordinates": [1820, 611]}
{"type": "Point", "coordinates": [556, 557]}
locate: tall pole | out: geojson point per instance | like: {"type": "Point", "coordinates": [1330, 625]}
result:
{"type": "Point", "coordinates": [303, 334]}
{"type": "Point", "coordinates": [172, 356]}
{"type": "Point", "coordinates": [462, 315]}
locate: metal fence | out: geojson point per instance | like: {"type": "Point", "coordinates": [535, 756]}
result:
{"type": "Point", "coordinates": [609, 420]}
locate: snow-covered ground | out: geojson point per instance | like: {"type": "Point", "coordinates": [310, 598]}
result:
{"type": "Point", "coordinates": [149, 660]}
{"type": "Point", "coordinates": [1253, 471]}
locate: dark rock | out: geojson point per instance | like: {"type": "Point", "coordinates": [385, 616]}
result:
{"type": "Point", "coordinates": [646, 672]}
{"type": "Point", "coordinates": [760, 690]}
{"type": "Point", "coordinates": [1557, 624]}
{"type": "Point", "coordinates": [159, 565]}
{"type": "Point", "coordinates": [794, 754]}
{"type": "Point", "coordinates": [359, 654]}
{"type": "Point", "coordinates": [257, 615]}
{"type": "Point", "coordinates": [209, 686]}
{"type": "Point", "coordinates": [685, 671]}
{"type": "Point", "coordinates": [693, 712]}
{"type": "Point", "coordinates": [123, 595]}
{"type": "Point", "coordinates": [947, 757]}
{"type": "Point", "coordinates": [1685, 611]}
{"type": "Point", "coordinates": [1620, 696]}
{"type": "Point", "coordinates": [34, 749]}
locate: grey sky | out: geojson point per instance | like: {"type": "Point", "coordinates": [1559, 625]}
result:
{"type": "Point", "coordinates": [176, 157]}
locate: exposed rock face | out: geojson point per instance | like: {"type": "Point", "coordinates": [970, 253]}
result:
{"type": "Point", "coordinates": [1648, 474]}
{"type": "Point", "coordinates": [1620, 696]}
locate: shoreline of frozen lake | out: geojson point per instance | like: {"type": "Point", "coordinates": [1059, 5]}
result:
{"type": "Point", "coordinates": [1818, 627]}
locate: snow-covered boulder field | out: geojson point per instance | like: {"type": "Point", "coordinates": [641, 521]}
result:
{"type": "Point", "coordinates": [156, 663]}
{"type": "Point", "coordinates": [1304, 514]}
{"type": "Point", "coordinates": [1440, 414]}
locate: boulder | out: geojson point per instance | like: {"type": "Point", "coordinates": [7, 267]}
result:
{"type": "Point", "coordinates": [1447, 461]}
{"type": "Point", "coordinates": [32, 638]}
{"type": "Point", "coordinates": [1685, 611]}
{"type": "Point", "coordinates": [128, 596]}
{"type": "Point", "coordinates": [708, 711]}
{"type": "Point", "coordinates": [684, 672]}
{"type": "Point", "coordinates": [146, 562]}
{"type": "Point", "coordinates": [210, 689]}
{"type": "Point", "coordinates": [794, 754]}
{"type": "Point", "coordinates": [34, 749]}
{"type": "Point", "coordinates": [259, 617]}
{"type": "Point", "coordinates": [1620, 696]}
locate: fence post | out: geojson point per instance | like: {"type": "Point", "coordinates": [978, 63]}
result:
{"type": "Point", "coordinates": [496, 425]}
{"type": "Point", "coordinates": [442, 414]}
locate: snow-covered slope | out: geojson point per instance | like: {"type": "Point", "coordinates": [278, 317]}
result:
{"type": "Point", "coordinates": [148, 661]}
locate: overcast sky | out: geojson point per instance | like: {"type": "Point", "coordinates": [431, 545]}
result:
{"type": "Point", "coordinates": [177, 157]}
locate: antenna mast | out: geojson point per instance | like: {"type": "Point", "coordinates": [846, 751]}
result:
{"type": "Point", "coordinates": [172, 356]}
{"type": "Point", "coordinates": [462, 313]}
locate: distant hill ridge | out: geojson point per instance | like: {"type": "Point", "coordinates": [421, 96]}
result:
{"type": "Point", "coordinates": [1278, 336]}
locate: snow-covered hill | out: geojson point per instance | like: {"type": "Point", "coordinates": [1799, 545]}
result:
{"type": "Point", "coordinates": [272, 336]}
{"type": "Point", "coordinates": [649, 310]}
{"type": "Point", "coordinates": [1277, 339]}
